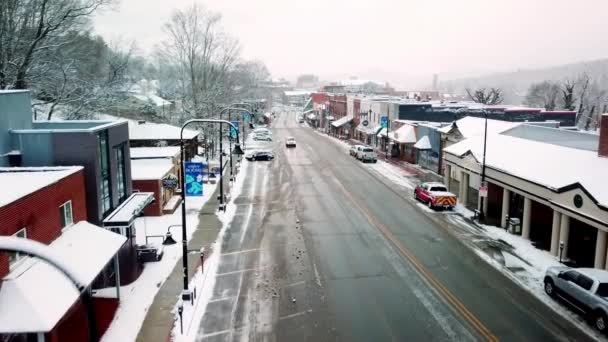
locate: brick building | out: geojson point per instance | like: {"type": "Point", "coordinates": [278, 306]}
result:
{"type": "Point", "coordinates": [48, 205]}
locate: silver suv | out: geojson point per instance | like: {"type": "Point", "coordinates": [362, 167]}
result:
{"type": "Point", "coordinates": [585, 289]}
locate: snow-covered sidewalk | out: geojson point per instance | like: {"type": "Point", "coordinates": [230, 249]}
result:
{"type": "Point", "coordinates": [137, 297]}
{"type": "Point", "coordinates": [204, 280]}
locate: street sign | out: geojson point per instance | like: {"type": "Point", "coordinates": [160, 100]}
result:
{"type": "Point", "coordinates": [194, 179]}
{"type": "Point", "coordinates": [483, 189]}
{"type": "Point", "coordinates": [365, 123]}
{"type": "Point", "coordinates": [234, 131]}
{"type": "Point", "coordinates": [384, 122]}
{"type": "Point", "coordinates": [170, 182]}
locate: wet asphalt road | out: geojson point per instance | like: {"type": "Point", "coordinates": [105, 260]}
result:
{"type": "Point", "coordinates": [364, 263]}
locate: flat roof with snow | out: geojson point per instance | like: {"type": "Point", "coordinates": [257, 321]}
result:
{"type": "Point", "coordinates": [18, 182]}
{"type": "Point", "coordinates": [150, 169]}
{"type": "Point", "coordinates": [35, 296]}
{"type": "Point", "coordinates": [154, 152]}
{"type": "Point", "coordinates": [156, 131]}
{"type": "Point", "coordinates": [552, 166]}
{"type": "Point", "coordinates": [128, 210]}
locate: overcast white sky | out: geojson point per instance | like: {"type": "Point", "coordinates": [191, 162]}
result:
{"type": "Point", "coordinates": [377, 37]}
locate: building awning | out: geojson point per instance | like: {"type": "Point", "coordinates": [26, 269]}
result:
{"type": "Point", "coordinates": [130, 209]}
{"type": "Point", "coordinates": [404, 135]}
{"type": "Point", "coordinates": [381, 133]}
{"type": "Point", "coordinates": [423, 144]}
{"type": "Point", "coordinates": [35, 296]}
{"type": "Point", "coordinates": [330, 118]}
{"type": "Point", "coordinates": [369, 130]}
{"type": "Point", "coordinates": [342, 121]}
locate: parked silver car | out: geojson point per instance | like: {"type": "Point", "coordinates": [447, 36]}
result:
{"type": "Point", "coordinates": [585, 289]}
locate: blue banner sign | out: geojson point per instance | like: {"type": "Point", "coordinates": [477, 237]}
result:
{"type": "Point", "coordinates": [194, 179]}
{"type": "Point", "coordinates": [384, 122]}
{"type": "Point", "coordinates": [234, 131]}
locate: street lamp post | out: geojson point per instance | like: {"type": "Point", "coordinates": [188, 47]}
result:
{"type": "Point", "coordinates": [482, 215]}
{"type": "Point", "coordinates": [186, 295]}
{"type": "Point", "coordinates": [228, 109]}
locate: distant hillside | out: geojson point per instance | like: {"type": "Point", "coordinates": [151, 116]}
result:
{"type": "Point", "coordinates": [516, 83]}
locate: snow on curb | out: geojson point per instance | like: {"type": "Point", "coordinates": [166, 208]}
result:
{"type": "Point", "coordinates": [137, 297]}
{"type": "Point", "coordinates": [531, 264]}
{"type": "Point", "coordinates": [204, 281]}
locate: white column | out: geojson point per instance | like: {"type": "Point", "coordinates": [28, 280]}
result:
{"type": "Point", "coordinates": [564, 234]}
{"type": "Point", "coordinates": [464, 182]}
{"type": "Point", "coordinates": [506, 202]}
{"type": "Point", "coordinates": [448, 175]}
{"type": "Point", "coordinates": [525, 226]}
{"type": "Point", "coordinates": [555, 232]}
{"type": "Point", "coordinates": [600, 249]}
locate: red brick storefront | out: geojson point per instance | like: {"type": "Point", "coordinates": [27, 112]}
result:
{"type": "Point", "coordinates": [39, 212]}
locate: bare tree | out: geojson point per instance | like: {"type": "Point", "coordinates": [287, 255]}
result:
{"type": "Point", "coordinates": [568, 98]}
{"type": "Point", "coordinates": [543, 94]}
{"type": "Point", "coordinates": [203, 56]}
{"type": "Point", "coordinates": [493, 96]}
{"type": "Point", "coordinates": [28, 28]}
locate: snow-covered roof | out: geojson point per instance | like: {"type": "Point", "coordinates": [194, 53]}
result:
{"type": "Point", "coordinates": [341, 121]}
{"type": "Point", "coordinates": [156, 131]}
{"type": "Point", "coordinates": [157, 100]}
{"type": "Point", "coordinates": [470, 126]}
{"type": "Point", "coordinates": [150, 169]}
{"type": "Point", "coordinates": [128, 210]}
{"type": "Point", "coordinates": [35, 296]}
{"type": "Point", "coordinates": [297, 92]}
{"type": "Point", "coordinates": [549, 165]}
{"type": "Point", "coordinates": [18, 182]}
{"type": "Point", "coordinates": [405, 134]}
{"type": "Point", "coordinates": [154, 152]}
{"type": "Point", "coordinates": [423, 144]}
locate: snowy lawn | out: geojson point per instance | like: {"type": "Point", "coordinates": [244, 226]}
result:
{"type": "Point", "coordinates": [137, 297]}
{"type": "Point", "coordinates": [204, 280]}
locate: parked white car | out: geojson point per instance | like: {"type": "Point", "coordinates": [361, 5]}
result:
{"type": "Point", "coordinates": [353, 150]}
{"type": "Point", "coordinates": [366, 153]}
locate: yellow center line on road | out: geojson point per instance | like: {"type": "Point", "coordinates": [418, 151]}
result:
{"type": "Point", "coordinates": [441, 290]}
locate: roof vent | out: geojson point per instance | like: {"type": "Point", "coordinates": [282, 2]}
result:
{"type": "Point", "coordinates": [141, 122]}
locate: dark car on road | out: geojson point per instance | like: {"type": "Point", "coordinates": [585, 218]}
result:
{"type": "Point", "coordinates": [259, 155]}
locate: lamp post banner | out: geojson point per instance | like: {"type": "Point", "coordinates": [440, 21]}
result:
{"type": "Point", "coordinates": [194, 179]}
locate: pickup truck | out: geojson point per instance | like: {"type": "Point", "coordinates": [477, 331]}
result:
{"type": "Point", "coordinates": [585, 289]}
{"type": "Point", "coordinates": [435, 195]}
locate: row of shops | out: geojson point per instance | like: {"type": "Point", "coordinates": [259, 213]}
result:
{"type": "Point", "coordinates": [546, 178]}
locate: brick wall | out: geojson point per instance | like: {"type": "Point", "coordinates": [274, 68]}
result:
{"type": "Point", "coordinates": [39, 212]}
{"type": "Point", "coordinates": [603, 144]}
{"type": "Point", "coordinates": [156, 208]}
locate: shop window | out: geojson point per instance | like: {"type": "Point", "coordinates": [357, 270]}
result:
{"type": "Point", "coordinates": [65, 214]}
{"type": "Point", "coordinates": [15, 258]}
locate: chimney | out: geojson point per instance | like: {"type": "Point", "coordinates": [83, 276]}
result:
{"type": "Point", "coordinates": [602, 150]}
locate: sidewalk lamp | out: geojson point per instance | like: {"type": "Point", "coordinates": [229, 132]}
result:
{"type": "Point", "coordinates": [561, 249]}
{"type": "Point", "coordinates": [186, 295]}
